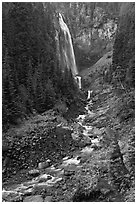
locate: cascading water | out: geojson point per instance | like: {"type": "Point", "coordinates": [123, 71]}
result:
{"type": "Point", "coordinates": [89, 94]}
{"type": "Point", "coordinates": [67, 47]}
{"type": "Point", "coordinates": [78, 80]}
{"type": "Point", "coordinates": [66, 51]}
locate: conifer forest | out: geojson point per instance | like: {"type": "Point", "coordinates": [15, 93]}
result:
{"type": "Point", "coordinates": [68, 101]}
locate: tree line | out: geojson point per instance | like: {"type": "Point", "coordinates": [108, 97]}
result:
{"type": "Point", "coordinates": [32, 78]}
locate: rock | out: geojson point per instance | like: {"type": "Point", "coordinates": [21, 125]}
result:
{"type": "Point", "coordinates": [28, 192]}
{"type": "Point", "coordinates": [95, 146]}
{"type": "Point", "coordinates": [69, 163]}
{"type": "Point", "coordinates": [104, 186]}
{"type": "Point", "coordinates": [41, 180]}
{"type": "Point", "coordinates": [49, 177]}
{"type": "Point", "coordinates": [96, 131]}
{"type": "Point", "coordinates": [83, 160]}
{"type": "Point", "coordinates": [48, 199]}
{"type": "Point", "coordinates": [82, 144]}
{"type": "Point", "coordinates": [11, 196]}
{"type": "Point", "coordinates": [34, 172]}
{"type": "Point", "coordinates": [79, 157]}
{"type": "Point", "coordinates": [87, 140]}
{"type": "Point", "coordinates": [61, 107]}
{"type": "Point", "coordinates": [18, 198]}
{"type": "Point", "coordinates": [36, 198]}
{"type": "Point", "coordinates": [75, 136]}
{"type": "Point", "coordinates": [44, 178]}
{"type": "Point", "coordinates": [81, 117]}
{"type": "Point", "coordinates": [72, 148]}
{"type": "Point", "coordinates": [90, 118]}
{"type": "Point", "coordinates": [65, 158]}
{"type": "Point", "coordinates": [69, 173]}
{"type": "Point", "coordinates": [87, 151]}
{"type": "Point", "coordinates": [43, 165]}
{"type": "Point", "coordinates": [105, 191]}
{"type": "Point", "coordinates": [95, 141]}
{"type": "Point", "coordinates": [48, 161]}
{"type": "Point", "coordinates": [40, 188]}
{"type": "Point", "coordinates": [64, 187]}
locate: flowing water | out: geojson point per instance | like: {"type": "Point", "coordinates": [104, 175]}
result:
{"type": "Point", "coordinates": [78, 80]}
{"type": "Point", "coordinates": [65, 50]}
{"type": "Point", "coordinates": [53, 174]}
{"type": "Point", "coordinates": [66, 47]}
{"type": "Point", "coordinates": [66, 172]}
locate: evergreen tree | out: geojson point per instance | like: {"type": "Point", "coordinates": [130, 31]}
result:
{"type": "Point", "coordinates": [124, 46]}
{"type": "Point", "coordinates": [32, 76]}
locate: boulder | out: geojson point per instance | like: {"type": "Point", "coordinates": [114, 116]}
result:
{"type": "Point", "coordinates": [11, 196]}
{"type": "Point", "coordinates": [61, 107]}
{"type": "Point", "coordinates": [43, 165]}
{"type": "Point", "coordinates": [75, 136]}
{"type": "Point", "coordinates": [44, 178]}
{"type": "Point", "coordinates": [64, 187]}
{"type": "Point", "coordinates": [97, 131]}
{"type": "Point", "coordinates": [40, 189]}
{"type": "Point", "coordinates": [34, 172]}
{"type": "Point", "coordinates": [28, 192]}
{"type": "Point", "coordinates": [48, 199]}
{"type": "Point", "coordinates": [36, 198]}
{"type": "Point", "coordinates": [87, 140]}
{"type": "Point", "coordinates": [69, 172]}
{"type": "Point", "coordinates": [90, 118]}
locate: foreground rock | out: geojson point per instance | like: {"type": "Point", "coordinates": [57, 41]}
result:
{"type": "Point", "coordinates": [74, 162]}
{"type": "Point", "coordinates": [43, 165]}
{"type": "Point", "coordinates": [34, 172]}
{"type": "Point", "coordinates": [11, 196]}
{"type": "Point", "coordinates": [36, 198]}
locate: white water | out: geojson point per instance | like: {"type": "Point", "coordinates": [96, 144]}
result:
{"type": "Point", "coordinates": [53, 174]}
{"type": "Point", "coordinates": [68, 57]}
{"type": "Point", "coordinates": [89, 94]}
{"type": "Point", "coordinates": [78, 80]}
{"type": "Point", "coordinates": [71, 161]}
{"type": "Point", "coordinates": [66, 51]}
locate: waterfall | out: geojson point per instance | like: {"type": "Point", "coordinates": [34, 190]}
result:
{"type": "Point", "coordinates": [78, 80]}
{"type": "Point", "coordinates": [89, 94]}
{"type": "Point", "coordinates": [65, 51]}
{"type": "Point", "coordinates": [66, 47]}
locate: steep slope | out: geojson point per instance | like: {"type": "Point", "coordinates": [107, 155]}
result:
{"type": "Point", "coordinates": [101, 65]}
{"type": "Point", "coordinates": [98, 163]}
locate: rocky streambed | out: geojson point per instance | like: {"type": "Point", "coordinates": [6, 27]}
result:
{"type": "Point", "coordinates": [81, 164]}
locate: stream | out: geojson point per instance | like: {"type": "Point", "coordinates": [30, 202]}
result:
{"type": "Point", "coordinates": [50, 182]}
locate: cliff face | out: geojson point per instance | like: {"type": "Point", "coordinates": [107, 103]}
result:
{"type": "Point", "coordinates": [124, 47]}
{"type": "Point", "coordinates": [96, 40]}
